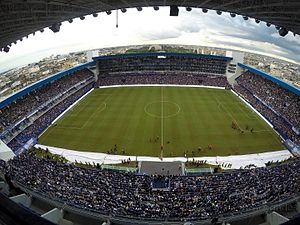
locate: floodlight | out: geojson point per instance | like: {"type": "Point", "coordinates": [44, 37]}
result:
{"type": "Point", "coordinates": [55, 27]}
{"type": "Point", "coordinates": [282, 31]}
{"type": "Point", "coordinates": [188, 9]}
{"type": "Point", "coordinates": [174, 10]}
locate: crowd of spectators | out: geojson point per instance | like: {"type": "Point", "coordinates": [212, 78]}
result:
{"type": "Point", "coordinates": [283, 101]}
{"type": "Point", "coordinates": [181, 62]}
{"type": "Point", "coordinates": [129, 195]}
{"type": "Point", "coordinates": [2, 165]}
{"type": "Point", "coordinates": [23, 106]}
{"type": "Point", "coordinates": [164, 78]}
{"type": "Point", "coordinates": [250, 86]}
{"type": "Point", "coordinates": [40, 124]}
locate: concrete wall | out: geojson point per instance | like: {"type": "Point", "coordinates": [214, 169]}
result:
{"type": "Point", "coordinates": [275, 218]}
{"type": "Point", "coordinates": [54, 215]}
{"type": "Point", "coordinates": [22, 199]}
{"type": "Point", "coordinates": [233, 70]}
{"type": "Point", "coordinates": [5, 152]}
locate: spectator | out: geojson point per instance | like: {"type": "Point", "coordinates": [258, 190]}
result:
{"type": "Point", "coordinates": [131, 195]}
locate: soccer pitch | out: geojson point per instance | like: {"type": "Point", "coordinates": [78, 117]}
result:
{"type": "Point", "coordinates": [162, 121]}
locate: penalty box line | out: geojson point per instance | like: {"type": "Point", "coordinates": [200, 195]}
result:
{"type": "Point", "coordinates": [98, 109]}
{"type": "Point", "coordinates": [226, 111]}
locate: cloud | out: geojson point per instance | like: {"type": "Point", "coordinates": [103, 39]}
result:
{"type": "Point", "coordinates": [244, 34]}
{"type": "Point", "coordinates": [149, 26]}
{"type": "Point", "coordinates": [160, 35]}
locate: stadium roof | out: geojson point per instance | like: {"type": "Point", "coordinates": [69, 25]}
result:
{"type": "Point", "coordinates": [19, 18]}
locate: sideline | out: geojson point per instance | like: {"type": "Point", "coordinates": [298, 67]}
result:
{"type": "Point", "coordinates": [251, 107]}
{"type": "Point", "coordinates": [71, 106]}
{"type": "Point", "coordinates": [161, 85]}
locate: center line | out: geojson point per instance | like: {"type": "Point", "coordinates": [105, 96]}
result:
{"type": "Point", "coordinates": [162, 118]}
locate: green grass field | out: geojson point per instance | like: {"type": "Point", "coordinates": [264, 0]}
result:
{"type": "Point", "coordinates": [139, 120]}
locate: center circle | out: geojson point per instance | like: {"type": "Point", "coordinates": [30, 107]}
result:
{"type": "Point", "coordinates": [162, 109]}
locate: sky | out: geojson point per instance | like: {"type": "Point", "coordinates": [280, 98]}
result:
{"type": "Point", "coordinates": [154, 27]}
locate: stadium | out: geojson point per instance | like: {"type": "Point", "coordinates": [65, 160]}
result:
{"type": "Point", "coordinates": [152, 138]}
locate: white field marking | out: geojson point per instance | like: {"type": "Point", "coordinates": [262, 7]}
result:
{"type": "Point", "coordinates": [91, 115]}
{"type": "Point", "coordinates": [79, 128]}
{"type": "Point", "coordinates": [258, 131]}
{"type": "Point", "coordinates": [262, 120]}
{"type": "Point", "coordinates": [161, 85]}
{"type": "Point", "coordinates": [72, 111]}
{"type": "Point", "coordinates": [51, 128]}
{"type": "Point", "coordinates": [227, 112]}
{"type": "Point", "coordinates": [155, 116]}
{"type": "Point", "coordinates": [68, 128]}
{"type": "Point", "coordinates": [49, 131]}
{"type": "Point", "coordinates": [255, 111]}
{"type": "Point", "coordinates": [95, 95]}
{"type": "Point", "coordinates": [162, 117]}
{"type": "Point", "coordinates": [251, 116]}
{"type": "Point", "coordinates": [76, 113]}
{"type": "Point", "coordinates": [262, 131]}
